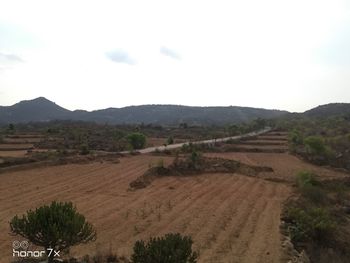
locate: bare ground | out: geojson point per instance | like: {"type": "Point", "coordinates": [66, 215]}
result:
{"type": "Point", "coordinates": [285, 166]}
{"type": "Point", "coordinates": [11, 146]}
{"type": "Point", "coordinates": [232, 218]}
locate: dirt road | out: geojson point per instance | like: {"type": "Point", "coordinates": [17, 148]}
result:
{"type": "Point", "coordinates": [179, 145]}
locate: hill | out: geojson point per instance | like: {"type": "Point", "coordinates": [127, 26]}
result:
{"type": "Point", "coordinates": [41, 109]}
{"type": "Point", "coordinates": [329, 110]}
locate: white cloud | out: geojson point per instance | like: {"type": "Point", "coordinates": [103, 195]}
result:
{"type": "Point", "coordinates": [4, 57]}
{"type": "Point", "coordinates": [169, 52]}
{"type": "Point", "coordinates": [120, 56]}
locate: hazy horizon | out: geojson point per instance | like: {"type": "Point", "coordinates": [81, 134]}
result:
{"type": "Point", "coordinates": [93, 55]}
{"type": "Point", "coordinates": [162, 104]}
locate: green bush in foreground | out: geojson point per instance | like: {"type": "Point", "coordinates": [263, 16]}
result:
{"type": "Point", "coordinates": [56, 226]}
{"type": "Point", "coordinates": [315, 145]}
{"type": "Point", "coordinates": [310, 224]}
{"type": "Point", "coordinates": [305, 178]}
{"type": "Point", "coordinates": [173, 248]}
{"type": "Point", "coordinates": [310, 188]}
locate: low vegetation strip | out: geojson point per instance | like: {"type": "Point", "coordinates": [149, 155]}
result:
{"type": "Point", "coordinates": [262, 142]}
{"type": "Point", "coordinates": [196, 164]}
{"type": "Point", "coordinates": [254, 149]}
{"type": "Point", "coordinates": [317, 220]}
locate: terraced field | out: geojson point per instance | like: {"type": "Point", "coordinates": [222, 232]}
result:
{"type": "Point", "coordinates": [18, 145]}
{"type": "Point", "coordinates": [265, 143]}
{"type": "Point", "coordinates": [231, 217]}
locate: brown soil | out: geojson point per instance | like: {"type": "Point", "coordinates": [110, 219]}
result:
{"type": "Point", "coordinates": [15, 153]}
{"type": "Point", "coordinates": [278, 133]}
{"type": "Point", "coordinates": [153, 142]}
{"type": "Point", "coordinates": [255, 148]}
{"type": "Point", "coordinates": [27, 136]}
{"type": "Point", "coordinates": [9, 147]}
{"type": "Point", "coordinates": [185, 167]}
{"type": "Point", "coordinates": [267, 143]}
{"type": "Point", "coordinates": [285, 166]}
{"type": "Point", "coordinates": [21, 140]}
{"type": "Point", "coordinates": [231, 218]}
{"type": "Point", "coordinates": [271, 138]}
{"type": "Point", "coordinates": [262, 147]}
{"type": "Point", "coordinates": [263, 142]}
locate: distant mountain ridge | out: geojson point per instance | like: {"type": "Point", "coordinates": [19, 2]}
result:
{"type": "Point", "coordinates": [42, 110]}
{"type": "Point", "coordinates": [329, 110]}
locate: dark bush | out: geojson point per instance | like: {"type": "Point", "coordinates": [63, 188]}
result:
{"type": "Point", "coordinates": [315, 145]}
{"type": "Point", "coordinates": [173, 248]}
{"type": "Point", "coordinates": [137, 140]}
{"type": "Point", "coordinates": [56, 226]}
{"type": "Point", "coordinates": [310, 224]}
{"type": "Point", "coordinates": [170, 140]}
{"type": "Point", "coordinates": [306, 178]}
{"type": "Point", "coordinates": [310, 188]}
{"type": "Point", "coordinates": [84, 149]}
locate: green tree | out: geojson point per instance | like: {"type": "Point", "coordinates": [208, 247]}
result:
{"type": "Point", "coordinates": [11, 128]}
{"type": "Point", "coordinates": [137, 140]}
{"type": "Point", "coordinates": [170, 140]}
{"type": "Point", "coordinates": [295, 137]}
{"type": "Point", "coordinates": [173, 248]}
{"type": "Point", "coordinates": [315, 145]}
{"type": "Point", "coordinates": [84, 149]}
{"type": "Point", "coordinates": [56, 226]}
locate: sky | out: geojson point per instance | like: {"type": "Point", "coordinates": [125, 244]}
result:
{"type": "Point", "coordinates": [274, 54]}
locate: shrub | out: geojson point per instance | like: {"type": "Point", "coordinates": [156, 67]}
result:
{"type": "Point", "coordinates": [310, 224]}
{"type": "Point", "coordinates": [295, 137]}
{"type": "Point", "coordinates": [314, 193]}
{"type": "Point", "coordinates": [170, 140]}
{"type": "Point", "coordinates": [295, 140]}
{"type": "Point", "coordinates": [310, 187]}
{"type": "Point", "coordinates": [195, 157]}
{"type": "Point", "coordinates": [11, 127]}
{"type": "Point", "coordinates": [57, 226]}
{"type": "Point", "coordinates": [137, 140]}
{"type": "Point", "coordinates": [84, 149]}
{"type": "Point", "coordinates": [173, 248]}
{"type": "Point", "coordinates": [160, 163]}
{"type": "Point", "coordinates": [306, 178]}
{"type": "Point", "coordinates": [315, 145]}
{"type": "Point", "coordinates": [186, 147]}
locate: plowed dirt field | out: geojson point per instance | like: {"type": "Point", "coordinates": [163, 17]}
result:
{"type": "Point", "coordinates": [231, 217]}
